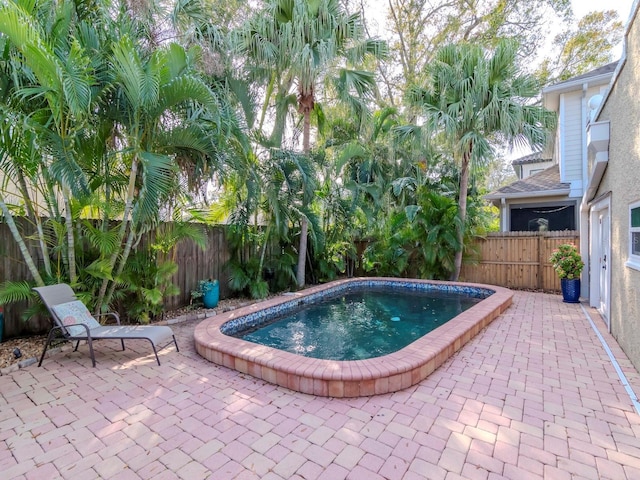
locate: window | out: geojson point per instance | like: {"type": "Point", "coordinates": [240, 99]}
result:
{"type": "Point", "coordinates": [544, 218]}
{"type": "Point", "coordinates": [634, 233]}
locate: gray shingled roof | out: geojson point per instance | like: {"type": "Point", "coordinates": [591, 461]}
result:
{"type": "Point", "coordinates": [535, 157]}
{"type": "Point", "coordinates": [547, 180]}
{"type": "Point", "coordinates": [608, 68]}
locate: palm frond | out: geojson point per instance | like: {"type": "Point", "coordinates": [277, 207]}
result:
{"type": "Point", "coordinates": [77, 81]}
{"type": "Point", "coordinates": [15, 291]}
{"type": "Point", "coordinates": [105, 241]}
{"type": "Point", "coordinates": [158, 177]}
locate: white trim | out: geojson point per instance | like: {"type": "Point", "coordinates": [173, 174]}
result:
{"type": "Point", "coordinates": [598, 167]}
{"type": "Point", "coordinates": [569, 85]}
{"type": "Point", "coordinates": [561, 135]}
{"type": "Point", "coordinates": [585, 252]}
{"type": "Point", "coordinates": [504, 214]}
{"type": "Point", "coordinates": [623, 378]}
{"type": "Point", "coordinates": [632, 265]}
{"type": "Point", "coordinates": [595, 252]}
{"type": "Point", "coordinates": [584, 121]}
{"type": "Point", "coordinates": [633, 259]}
{"type": "Point", "coordinates": [539, 194]}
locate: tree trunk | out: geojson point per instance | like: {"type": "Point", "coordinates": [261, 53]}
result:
{"type": "Point", "coordinates": [28, 259]}
{"type": "Point", "coordinates": [302, 252]}
{"type": "Point", "coordinates": [26, 197]}
{"type": "Point", "coordinates": [123, 262]}
{"type": "Point", "coordinates": [35, 218]}
{"type": "Point", "coordinates": [71, 246]}
{"type": "Point", "coordinates": [462, 212]}
{"type": "Point", "coordinates": [123, 230]}
{"type": "Point", "coordinates": [304, 223]}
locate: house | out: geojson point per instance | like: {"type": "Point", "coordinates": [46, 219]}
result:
{"type": "Point", "coordinates": [551, 183]}
{"type": "Point", "coordinates": [611, 201]}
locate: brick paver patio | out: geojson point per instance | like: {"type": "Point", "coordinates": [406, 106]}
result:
{"type": "Point", "coordinates": [533, 396]}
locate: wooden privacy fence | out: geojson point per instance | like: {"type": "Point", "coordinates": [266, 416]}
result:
{"type": "Point", "coordinates": [12, 267]}
{"type": "Point", "coordinates": [517, 259]}
{"type": "Point", "coordinates": [194, 263]}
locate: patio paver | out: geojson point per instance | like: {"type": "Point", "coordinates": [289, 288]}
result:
{"type": "Point", "coordinates": [534, 395]}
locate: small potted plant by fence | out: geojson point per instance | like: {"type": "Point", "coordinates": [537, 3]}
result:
{"type": "Point", "coordinates": [568, 264]}
{"type": "Point", "coordinates": [210, 293]}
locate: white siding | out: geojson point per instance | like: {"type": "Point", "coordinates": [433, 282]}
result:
{"type": "Point", "coordinates": [573, 138]}
{"type": "Point", "coordinates": [533, 168]}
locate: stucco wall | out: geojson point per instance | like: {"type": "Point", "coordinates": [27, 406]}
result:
{"type": "Point", "coordinates": [622, 179]}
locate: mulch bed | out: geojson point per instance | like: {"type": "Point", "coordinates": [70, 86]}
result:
{"type": "Point", "coordinates": [26, 348]}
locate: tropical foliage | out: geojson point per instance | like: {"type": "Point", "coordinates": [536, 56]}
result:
{"type": "Point", "coordinates": [101, 132]}
{"type": "Point", "coordinates": [126, 125]}
{"type": "Point", "coordinates": [472, 99]}
{"type": "Point", "coordinates": [301, 46]}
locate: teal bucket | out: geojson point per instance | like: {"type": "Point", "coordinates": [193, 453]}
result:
{"type": "Point", "coordinates": [210, 294]}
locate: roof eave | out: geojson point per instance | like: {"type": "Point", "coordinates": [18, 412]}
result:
{"type": "Point", "coordinates": [551, 93]}
{"type": "Point", "coordinates": [569, 85]}
{"type": "Point", "coordinates": [536, 194]}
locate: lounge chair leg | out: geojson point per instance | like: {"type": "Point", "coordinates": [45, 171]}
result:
{"type": "Point", "coordinates": [156, 352]}
{"type": "Point", "coordinates": [46, 345]}
{"type": "Point", "coordinates": [93, 357]}
{"type": "Point", "coordinates": [122, 341]}
{"type": "Point", "coordinates": [176, 343]}
{"type": "Point", "coordinates": [77, 344]}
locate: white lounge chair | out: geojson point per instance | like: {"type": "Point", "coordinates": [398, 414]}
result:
{"type": "Point", "coordinates": [75, 322]}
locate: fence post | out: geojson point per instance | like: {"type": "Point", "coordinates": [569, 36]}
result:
{"type": "Point", "coordinates": [541, 250]}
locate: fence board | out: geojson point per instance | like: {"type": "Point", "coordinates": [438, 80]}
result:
{"type": "Point", "coordinates": [517, 259]}
{"type": "Point", "coordinates": [12, 267]}
{"type": "Point", "coordinates": [195, 264]}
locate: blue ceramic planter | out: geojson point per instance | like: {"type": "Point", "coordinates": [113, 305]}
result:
{"type": "Point", "coordinates": [570, 290]}
{"type": "Point", "coordinates": [210, 293]}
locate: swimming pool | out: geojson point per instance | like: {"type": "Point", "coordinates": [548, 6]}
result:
{"type": "Point", "coordinates": [339, 378]}
{"type": "Point", "coordinates": [360, 323]}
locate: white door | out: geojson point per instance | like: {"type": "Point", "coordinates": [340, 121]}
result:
{"type": "Point", "coordinates": [605, 254]}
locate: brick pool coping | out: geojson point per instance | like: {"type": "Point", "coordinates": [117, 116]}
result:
{"type": "Point", "coordinates": [357, 378]}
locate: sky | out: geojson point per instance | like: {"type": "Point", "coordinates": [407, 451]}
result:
{"type": "Point", "coordinates": [581, 7]}
{"type": "Point", "coordinates": [623, 7]}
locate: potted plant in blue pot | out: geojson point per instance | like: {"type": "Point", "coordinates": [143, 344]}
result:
{"type": "Point", "coordinates": [568, 264]}
{"type": "Point", "coordinates": [210, 293]}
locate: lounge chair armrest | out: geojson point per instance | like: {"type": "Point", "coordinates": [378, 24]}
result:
{"type": "Point", "coordinates": [83, 325]}
{"type": "Point", "coordinates": [110, 314]}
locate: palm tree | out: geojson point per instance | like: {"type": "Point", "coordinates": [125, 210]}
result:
{"type": "Point", "coordinates": [168, 117]}
{"type": "Point", "coordinates": [53, 88]}
{"type": "Point", "coordinates": [473, 100]}
{"type": "Point", "coordinates": [93, 111]}
{"type": "Point", "coordinates": [300, 44]}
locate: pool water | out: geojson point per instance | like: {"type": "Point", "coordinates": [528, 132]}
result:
{"type": "Point", "coordinates": [361, 324]}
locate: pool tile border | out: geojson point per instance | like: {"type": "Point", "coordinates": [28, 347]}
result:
{"type": "Point", "coordinates": [333, 378]}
